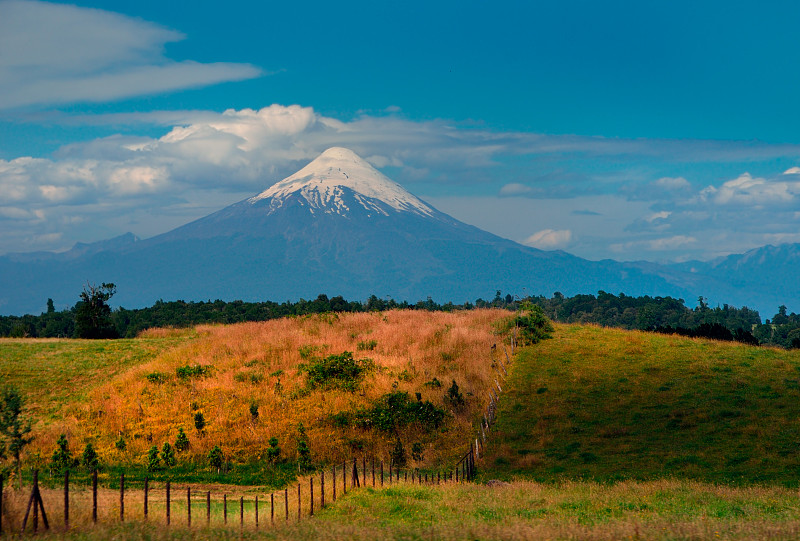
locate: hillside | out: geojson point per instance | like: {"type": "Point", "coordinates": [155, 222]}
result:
{"type": "Point", "coordinates": [249, 383]}
{"type": "Point", "coordinates": [607, 404]}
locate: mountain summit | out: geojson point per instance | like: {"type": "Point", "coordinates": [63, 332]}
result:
{"type": "Point", "coordinates": [334, 180]}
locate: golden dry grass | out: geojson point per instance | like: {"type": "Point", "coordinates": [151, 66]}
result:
{"type": "Point", "coordinates": [258, 362]}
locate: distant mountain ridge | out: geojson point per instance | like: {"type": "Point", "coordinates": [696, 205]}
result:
{"type": "Point", "coordinates": [340, 227]}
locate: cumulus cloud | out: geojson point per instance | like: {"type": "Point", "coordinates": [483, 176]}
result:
{"type": "Point", "coordinates": [59, 53]}
{"type": "Point", "coordinates": [747, 190]}
{"type": "Point", "coordinates": [549, 239]}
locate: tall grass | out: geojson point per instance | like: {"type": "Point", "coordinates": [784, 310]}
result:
{"type": "Point", "coordinates": [657, 510]}
{"type": "Point", "coordinates": [259, 363]}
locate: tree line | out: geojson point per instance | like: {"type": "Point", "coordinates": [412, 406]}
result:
{"type": "Point", "coordinates": [91, 317]}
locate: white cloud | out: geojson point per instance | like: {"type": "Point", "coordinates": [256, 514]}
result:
{"type": "Point", "coordinates": [792, 171]}
{"type": "Point", "coordinates": [676, 183]}
{"type": "Point", "coordinates": [747, 190]}
{"type": "Point", "coordinates": [549, 239]}
{"type": "Point", "coordinates": [59, 53]}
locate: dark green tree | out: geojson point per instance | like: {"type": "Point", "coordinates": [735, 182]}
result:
{"type": "Point", "coordinates": [303, 451]}
{"type": "Point", "coordinates": [216, 458]}
{"type": "Point", "coordinates": [153, 460]}
{"type": "Point", "coordinates": [273, 452]}
{"type": "Point", "coordinates": [199, 421]}
{"type": "Point", "coordinates": [13, 426]}
{"type": "Point", "coordinates": [62, 457]}
{"type": "Point", "coordinates": [416, 451]}
{"type": "Point", "coordinates": [168, 455]}
{"type": "Point", "coordinates": [454, 396]}
{"type": "Point", "coordinates": [531, 324]}
{"type": "Point", "coordinates": [50, 306]}
{"type": "Point", "coordinates": [92, 313]}
{"type": "Point", "coordinates": [89, 458]}
{"type": "Point", "coordinates": [254, 410]}
{"type": "Point", "coordinates": [181, 441]}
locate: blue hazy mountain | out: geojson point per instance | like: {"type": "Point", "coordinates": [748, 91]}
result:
{"type": "Point", "coordinates": [340, 227]}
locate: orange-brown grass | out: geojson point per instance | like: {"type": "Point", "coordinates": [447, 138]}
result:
{"type": "Point", "coordinates": [259, 362]}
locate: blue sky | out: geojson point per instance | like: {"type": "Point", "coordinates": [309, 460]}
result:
{"type": "Point", "coordinates": [629, 130]}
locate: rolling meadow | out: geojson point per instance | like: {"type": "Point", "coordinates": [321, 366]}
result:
{"type": "Point", "coordinates": [600, 434]}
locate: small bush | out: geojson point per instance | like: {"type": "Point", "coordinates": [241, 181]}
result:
{"type": "Point", "coordinates": [193, 371]}
{"type": "Point", "coordinates": [303, 451]}
{"type": "Point", "coordinates": [433, 384]}
{"type": "Point", "coordinates": [216, 458]}
{"type": "Point", "coordinates": [454, 396]}
{"type": "Point", "coordinates": [337, 372]}
{"type": "Point", "coordinates": [89, 458]}
{"type": "Point", "coordinates": [367, 345]}
{"type": "Point", "coordinates": [181, 441]}
{"type": "Point", "coordinates": [254, 410]}
{"type": "Point", "coordinates": [62, 457]}
{"type": "Point", "coordinates": [120, 444]}
{"type": "Point", "coordinates": [199, 421]}
{"type": "Point", "coordinates": [531, 323]}
{"type": "Point", "coordinates": [156, 377]}
{"type": "Point", "coordinates": [153, 459]}
{"type": "Point", "coordinates": [416, 451]}
{"type": "Point", "coordinates": [274, 451]}
{"type": "Point", "coordinates": [395, 410]}
{"type": "Point", "coordinates": [168, 455]}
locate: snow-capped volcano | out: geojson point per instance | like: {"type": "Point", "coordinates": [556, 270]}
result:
{"type": "Point", "coordinates": [337, 179]}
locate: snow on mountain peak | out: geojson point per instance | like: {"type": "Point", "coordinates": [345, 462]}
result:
{"type": "Point", "coordinates": [321, 184]}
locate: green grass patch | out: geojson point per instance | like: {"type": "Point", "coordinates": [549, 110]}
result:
{"type": "Point", "coordinates": [608, 405]}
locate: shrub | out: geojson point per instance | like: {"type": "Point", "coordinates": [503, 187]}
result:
{"type": "Point", "coordinates": [89, 458]}
{"type": "Point", "coordinates": [433, 384]}
{"type": "Point", "coordinates": [168, 455]}
{"type": "Point", "coordinates": [368, 345]}
{"type": "Point", "coordinates": [120, 443]}
{"type": "Point", "coordinates": [254, 410]}
{"type": "Point", "coordinates": [199, 421]}
{"type": "Point", "coordinates": [62, 457]}
{"type": "Point", "coordinates": [416, 451]}
{"type": "Point", "coordinates": [532, 325]}
{"type": "Point", "coordinates": [193, 371]}
{"type": "Point", "coordinates": [454, 396]}
{"type": "Point", "coordinates": [216, 458]}
{"type": "Point", "coordinates": [337, 371]}
{"type": "Point", "coordinates": [303, 451]}
{"type": "Point", "coordinates": [394, 410]}
{"type": "Point", "coordinates": [156, 377]}
{"type": "Point", "coordinates": [153, 460]}
{"type": "Point", "coordinates": [273, 452]}
{"type": "Point", "coordinates": [181, 441]}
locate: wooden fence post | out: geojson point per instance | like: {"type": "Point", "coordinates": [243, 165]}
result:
{"type": "Point", "coordinates": [381, 472]}
{"type": "Point", "coordinates": [311, 492]}
{"type": "Point", "coordinates": [298, 502]}
{"type": "Point", "coordinates": [122, 497]}
{"type": "Point", "coordinates": [322, 489]}
{"type": "Point", "coordinates": [344, 478]}
{"type": "Point", "coordinates": [272, 508]}
{"type": "Point", "coordinates": [66, 500]}
{"type": "Point", "coordinates": [146, 486]}
{"type": "Point", "coordinates": [286, 500]}
{"type": "Point", "coordinates": [355, 482]}
{"type": "Point", "coordinates": [168, 507]}
{"type": "Point", "coordinates": [256, 511]}
{"type": "Point", "coordinates": [189, 506]}
{"type": "Point", "coordinates": [364, 469]}
{"type": "Point", "coordinates": [373, 472]}
{"type": "Point", "coordinates": [333, 472]}
{"type": "Point", "coordinates": [225, 508]}
{"type": "Point", "coordinates": [94, 497]}
{"type": "Point", "coordinates": [241, 511]}
{"type": "Point", "coordinates": [208, 507]}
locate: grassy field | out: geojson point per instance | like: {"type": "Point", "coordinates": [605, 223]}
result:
{"type": "Point", "coordinates": [658, 510]}
{"type": "Point", "coordinates": [607, 405]}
